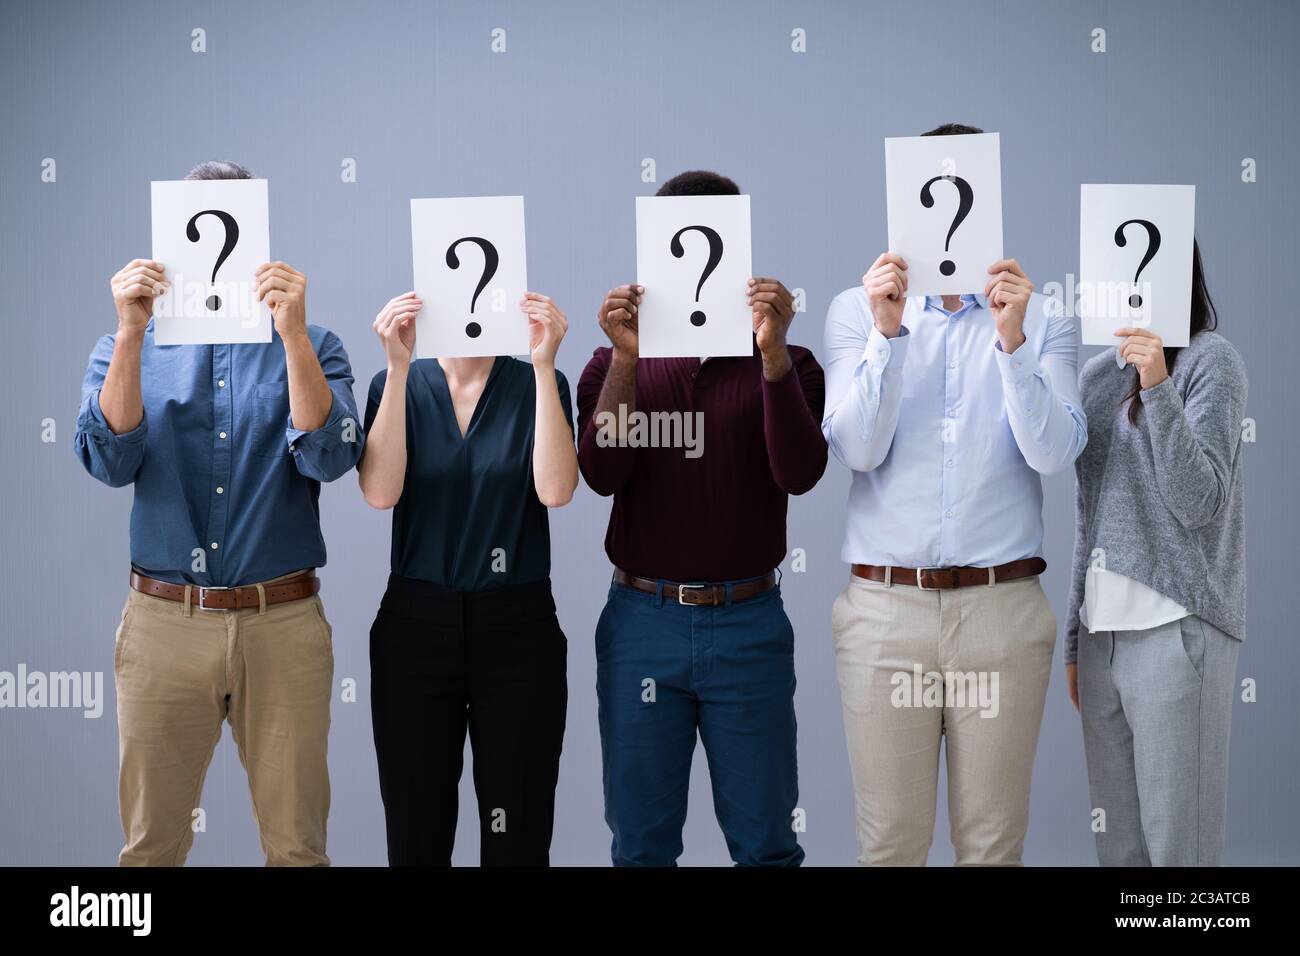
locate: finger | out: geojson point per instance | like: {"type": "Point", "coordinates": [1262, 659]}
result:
{"type": "Point", "coordinates": [890, 287]}
{"type": "Point", "coordinates": [1140, 334]}
{"type": "Point", "coordinates": [775, 292]}
{"type": "Point", "coordinates": [141, 289]}
{"type": "Point", "coordinates": [148, 272]}
{"type": "Point", "coordinates": [288, 275]}
{"type": "Point", "coordinates": [889, 271]}
{"type": "Point", "coordinates": [1008, 280]}
{"type": "Point", "coordinates": [1007, 265]}
{"type": "Point", "coordinates": [280, 266]}
{"type": "Point", "coordinates": [781, 309]}
{"type": "Point", "coordinates": [138, 290]}
{"type": "Point", "coordinates": [760, 284]}
{"type": "Point", "coordinates": [889, 258]}
{"type": "Point", "coordinates": [628, 305]}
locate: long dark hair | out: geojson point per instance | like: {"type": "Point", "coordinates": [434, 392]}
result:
{"type": "Point", "coordinates": [1204, 318]}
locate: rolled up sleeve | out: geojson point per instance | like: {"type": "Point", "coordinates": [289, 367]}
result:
{"type": "Point", "coordinates": [111, 458]}
{"type": "Point", "coordinates": [332, 450]}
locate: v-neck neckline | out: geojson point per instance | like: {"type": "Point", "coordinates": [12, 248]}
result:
{"type": "Point", "coordinates": [440, 385]}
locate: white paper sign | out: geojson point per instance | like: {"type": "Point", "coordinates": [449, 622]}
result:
{"type": "Point", "coordinates": [944, 198]}
{"type": "Point", "coordinates": [1135, 261]}
{"type": "Point", "coordinates": [470, 272]}
{"type": "Point", "coordinates": [693, 260]}
{"type": "Point", "coordinates": [211, 236]}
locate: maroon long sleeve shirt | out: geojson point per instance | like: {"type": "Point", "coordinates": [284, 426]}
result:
{"type": "Point", "coordinates": [719, 516]}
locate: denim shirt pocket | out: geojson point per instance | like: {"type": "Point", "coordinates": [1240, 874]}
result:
{"type": "Point", "coordinates": [267, 438]}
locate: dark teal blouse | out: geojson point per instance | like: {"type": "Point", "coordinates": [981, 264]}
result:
{"type": "Point", "coordinates": [469, 516]}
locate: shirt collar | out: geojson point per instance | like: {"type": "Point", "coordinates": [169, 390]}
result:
{"type": "Point", "coordinates": [936, 301]}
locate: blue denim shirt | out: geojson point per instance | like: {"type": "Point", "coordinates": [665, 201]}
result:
{"type": "Point", "coordinates": [226, 489]}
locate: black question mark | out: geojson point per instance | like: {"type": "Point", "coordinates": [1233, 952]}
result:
{"type": "Point", "coordinates": [232, 236]}
{"type": "Point", "coordinates": [490, 262]}
{"type": "Point", "coordinates": [1153, 246]}
{"type": "Point", "coordinates": [965, 199]}
{"type": "Point", "coordinates": [715, 256]}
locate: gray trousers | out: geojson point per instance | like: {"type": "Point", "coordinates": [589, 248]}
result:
{"type": "Point", "coordinates": [1157, 707]}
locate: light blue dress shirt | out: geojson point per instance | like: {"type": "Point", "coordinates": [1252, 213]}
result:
{"type": "Point", "coordinates": [946, 434]}
{"type": "Point", "coordinates": [226, 489]}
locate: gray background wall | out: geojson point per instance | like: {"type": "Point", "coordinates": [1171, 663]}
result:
{"type": "Point", "coordinates": [114, 94]}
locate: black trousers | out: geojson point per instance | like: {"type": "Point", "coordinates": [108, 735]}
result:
{"type": "Point", "coordinates": [443, 662]}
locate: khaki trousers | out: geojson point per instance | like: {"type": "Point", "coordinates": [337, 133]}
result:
{"type": "Point", "coordinates": [181, 672]}
{"type": "Point", "coordinates": [984, 656]}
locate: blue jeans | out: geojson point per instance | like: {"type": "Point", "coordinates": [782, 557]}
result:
{"type": "Point", "coordinates": [665, 670]}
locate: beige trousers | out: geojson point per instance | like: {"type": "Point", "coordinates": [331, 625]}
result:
{"type": "Point", "coordinates": [970, 664]}
{"type": "Point", "coordinates": [181, 672]}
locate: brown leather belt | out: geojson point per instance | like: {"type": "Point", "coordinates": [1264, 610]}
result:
{"type": "Point", "coordinates": [943, 579]}
{"type": "Point", "coordinates": [705, 595]}
{"type": "Point", "coordinates": [230, 599]}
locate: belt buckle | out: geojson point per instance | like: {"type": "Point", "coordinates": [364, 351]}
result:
{"type": "Point", "coordinates": [203, 607]}
{"type": "Point", "coordinates": [922, 587]}
{"type": "Point", "coordinates": [682, 588]}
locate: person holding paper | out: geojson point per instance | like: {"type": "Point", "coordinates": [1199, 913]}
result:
{"type": "Point", "coordinates": [948, 409]}
{"type": "Point", "coordinates": [1159, 588]}
{"type": "Point", "coordinates": [694, 637]}
{"type": "Point", "coordinates": [469, 453]}
{"type": "Point", "coordinates": [226, 447]}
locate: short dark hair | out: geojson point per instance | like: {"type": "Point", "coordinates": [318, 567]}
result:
{"type": "Point", "coordinates": [953, 129]}
{"type": "Point", "coordinates": [699, 182]}
{"type": "Point", "coordinates": [218, 169]}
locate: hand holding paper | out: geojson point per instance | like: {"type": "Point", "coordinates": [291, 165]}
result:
{"type": "Point", "coordinates": [134, 288]}
{"type": "Point", "coordinates": [618, 319]}
{"type": "Point", "coordinates": [886, 286]}
{"type": "Point", "coordinates": [546, 328]}
{"type": "Point", "coordinates": [395, 326]}
{"type": "Point", "coordinates": [1145, 351]}
{"type": "Point", "coordinates": [1008, 293]}
{"type": "Point", "coordinates": [284, 289]}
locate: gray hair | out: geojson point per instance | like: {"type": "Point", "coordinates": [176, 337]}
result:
{"type": "Point", "coordinates": [218, 169]}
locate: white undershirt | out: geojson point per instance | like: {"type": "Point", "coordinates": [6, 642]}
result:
{"type": "Point", "coordinates": [1114, 602]}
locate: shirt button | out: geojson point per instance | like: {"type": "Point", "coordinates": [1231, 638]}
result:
{"type": "Point", "coordinates": [952, 364]}
{"type": "Point", "coordinates": [1015, 365]}
{"type": "Point", "coordinates": [213, 546]}
{"type": "Point", "coordinates": [221, 434]}
{"type": "Point", "coordinates": [952, 413]}
{"type": "Point", "coordinates": [293, 447]}
{"type": "Point", "coordinates": [946, 514]}
{"type": "Point", "coordinates": [220, 490]}
{"type": "Point", "coordinates": [949, 463]}
{"type": "Point", "coordinates": [221, 383]}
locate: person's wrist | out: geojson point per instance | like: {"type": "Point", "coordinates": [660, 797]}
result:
{"type": "Point", "coordinates": [624, 358]}
{"type": "Point", "coordinates": [889, 330]}
{"type": "Point", "coordinates": [297, 332]}
{"type": "Point", "coordinates": [777, 363]}
{"type": "Point", "coordinates": [1011, 339]}
{"type": "Point", "coordinates": [544, 363]}
{"type": "Point", "coordinates": [129, 332]}
{"type": "Point", "coordinates": [398, 366]}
